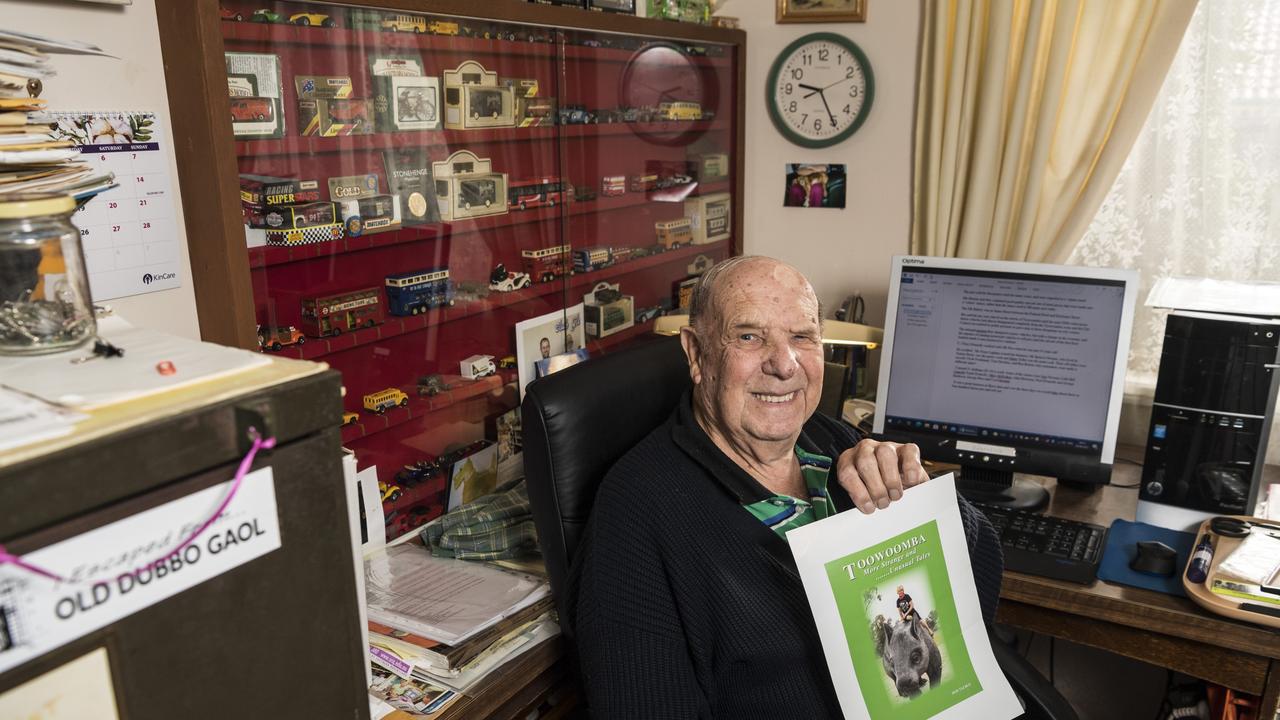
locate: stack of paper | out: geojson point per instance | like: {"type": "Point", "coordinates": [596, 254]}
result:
{"type": "Point", "coordinates": [451, 622]}
{"type": "Point", "coordinates": [36, 154]}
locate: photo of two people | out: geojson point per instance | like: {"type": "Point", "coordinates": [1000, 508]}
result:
{"type": "Point", "coordinates": [815, 186]}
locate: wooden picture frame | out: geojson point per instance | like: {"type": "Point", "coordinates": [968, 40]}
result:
{"type": "Point", "coordinates": [793, 11]}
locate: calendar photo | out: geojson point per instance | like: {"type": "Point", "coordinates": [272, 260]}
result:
{"type": "Point", "coordinates": [129, 233]}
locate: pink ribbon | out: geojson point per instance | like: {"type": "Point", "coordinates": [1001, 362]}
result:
{"type": "Point", "coordinates": [258, 444]}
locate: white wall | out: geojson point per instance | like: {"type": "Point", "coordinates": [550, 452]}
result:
{"type": "Point", "coordinates": [133, 82]}
{"type": "Point", "coordinates": [840, 251]}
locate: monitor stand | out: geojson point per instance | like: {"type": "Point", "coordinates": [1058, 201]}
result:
{"type": "Point", "coordinates": [998, 487]}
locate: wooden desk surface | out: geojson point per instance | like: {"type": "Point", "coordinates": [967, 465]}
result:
{"type": "Point", "coordinates": [1169, 631]}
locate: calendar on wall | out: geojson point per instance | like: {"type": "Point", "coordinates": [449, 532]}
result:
{"type": "Point", "coordinates": [129, 233]}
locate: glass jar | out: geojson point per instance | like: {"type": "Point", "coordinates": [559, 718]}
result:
{"type": "Point", "coordinates": [44, 289]}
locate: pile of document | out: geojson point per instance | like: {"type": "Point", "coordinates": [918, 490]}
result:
{"type": "Point", "coordinates": [450, 623]}
{"type": "Point", "coordinates": [38, 154]}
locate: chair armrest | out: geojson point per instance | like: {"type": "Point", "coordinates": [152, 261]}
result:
{"type": "Point", "coordinates": [1039, 697]}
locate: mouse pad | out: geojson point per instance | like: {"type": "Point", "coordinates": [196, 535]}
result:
{"type": "Point", "coordinates": [1122, 547]}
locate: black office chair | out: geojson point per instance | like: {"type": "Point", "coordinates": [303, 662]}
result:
{"type": "Point", "coordinates": [581, 420]}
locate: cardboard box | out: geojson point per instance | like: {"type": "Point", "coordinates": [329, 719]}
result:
{"type": "Point", "coordinates": [261, 190]}
{"type": "Point", "coordinates": [332, 118]}
{"type": "Point", "coordinates": [602, 319]}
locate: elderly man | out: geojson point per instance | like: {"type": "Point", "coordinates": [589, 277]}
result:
{"type": "Point", "coordinates": [686, 599]}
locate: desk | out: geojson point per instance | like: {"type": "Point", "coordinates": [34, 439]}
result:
{"type": "Point", "coordinates": [1163, 630]}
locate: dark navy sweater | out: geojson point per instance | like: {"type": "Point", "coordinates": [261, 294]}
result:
{"type": "Point", "coordinates": [686, 606]}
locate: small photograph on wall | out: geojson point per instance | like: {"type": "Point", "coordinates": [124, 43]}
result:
{"type": "Point", "coordinates": [813, 185]}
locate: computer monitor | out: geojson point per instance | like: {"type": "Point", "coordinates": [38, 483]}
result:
{"type": "Point", "coordinates": [1006, 367]}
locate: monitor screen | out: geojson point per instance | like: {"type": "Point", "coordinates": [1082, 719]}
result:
{"type": "Point", "coordinates": [1006, 365]}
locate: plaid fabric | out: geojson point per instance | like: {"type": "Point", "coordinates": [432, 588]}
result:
{"type": "Point", "coordinates": [498, 526]}
{"type": "Point", "coordinates": [781, 513]}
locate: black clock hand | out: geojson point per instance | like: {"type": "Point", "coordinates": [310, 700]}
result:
{"type": "Point", "coordinates": [828, 107]}
{"type": "Point", "coordinates": [810, 87]}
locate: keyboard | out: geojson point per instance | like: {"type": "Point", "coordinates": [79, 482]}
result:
{"type": "Point", "coordinates": [1050, 547]}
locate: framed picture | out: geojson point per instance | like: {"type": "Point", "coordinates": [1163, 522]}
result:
{"type": "Point", "coordinates": [541, 338]}
{"type": "Point", "coordinates": [415, 103]}
{"type": "Point", "coordinates": [813, 11]}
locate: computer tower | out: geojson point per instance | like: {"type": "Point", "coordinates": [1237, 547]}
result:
{"type": "Point", "coordinates": [1214, 402]}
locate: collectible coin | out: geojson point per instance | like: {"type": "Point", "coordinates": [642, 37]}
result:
{"type": "Point", "coordinates": [418, 204]}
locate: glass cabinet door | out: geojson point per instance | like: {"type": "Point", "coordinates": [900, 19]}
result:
{"type": "Point", "coordinates": [444, 208]}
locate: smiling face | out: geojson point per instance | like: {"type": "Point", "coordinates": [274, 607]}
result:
{"type": "Point", "coordinates": [756, 358]}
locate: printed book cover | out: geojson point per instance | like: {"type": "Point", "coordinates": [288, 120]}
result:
{"type": "Point", "coordinates": [897, 611]}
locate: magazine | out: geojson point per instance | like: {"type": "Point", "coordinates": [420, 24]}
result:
{"type": "Point", "coordinates": [894, 601]}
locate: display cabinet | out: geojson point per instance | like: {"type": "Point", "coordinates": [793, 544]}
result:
{"type": "Point", "coordinates": [393, 187]}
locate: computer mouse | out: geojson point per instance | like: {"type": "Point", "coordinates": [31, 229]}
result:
{"type": "Point", "coordinates": [1154, 558]}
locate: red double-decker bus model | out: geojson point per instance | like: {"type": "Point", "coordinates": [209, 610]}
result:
{"type": "Point", "coordinates": [335, 314]}
{"type": "Point", "coordinates": [548, 264]}
{"type": "Point", "coordinates": [544, 192]}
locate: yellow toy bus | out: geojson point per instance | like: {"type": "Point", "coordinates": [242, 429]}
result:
{"type": "Point", "coordinates": [674, 233]}
{"type": "Point", "coordinates": [679, 111]}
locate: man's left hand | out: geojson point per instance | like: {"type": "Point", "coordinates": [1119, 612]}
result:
{"type": "Point", "coordinates": [875, 473]}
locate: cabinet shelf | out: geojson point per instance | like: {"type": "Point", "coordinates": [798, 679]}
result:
{"type": "Point", "coordinates": [462, 389]}
{"type": "Point", "coordinates": [316, 348]}
{"type": "Point", "coordinates": [312, 145]}
{"type": "Point", "coordinates": [266, 34]}
{"type": "Point", "coordinates": [267, 256]}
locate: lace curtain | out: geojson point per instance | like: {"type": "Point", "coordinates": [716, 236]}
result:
{"type": "Point", "coordinates": [1200, 193]}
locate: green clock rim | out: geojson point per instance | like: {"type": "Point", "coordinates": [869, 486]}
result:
{"type": "Point", "coordinates": [772, 80]}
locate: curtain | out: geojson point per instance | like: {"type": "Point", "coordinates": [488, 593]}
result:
{"type": "Point", "coordinates": [1200, 193]}
{"type": "Point", "coordinates": [1026, 110]}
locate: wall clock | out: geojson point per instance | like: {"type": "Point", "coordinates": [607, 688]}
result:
{"type": "Point", "coordinates": [660, 73]}
{"type": "Point", "coordinates": [819, 90]}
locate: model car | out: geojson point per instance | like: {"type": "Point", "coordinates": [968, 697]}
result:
{"type": "Point", "coordinates": [383, 400]}
{"type": "Point", "coordinates": [231, 15]}
{"type": "Point", "coordinates": [583, 194]}
{"type": "Point", "coordinates": [312, 19]}
{"type": "Point", "coordinates": [415, 474]}
{"type": "Point", "coordinates": [477, 366]}
{"type": "Point", "coordinates": [266, 16]}
{"type": "Point", "coordinates": [251, 109]}
{"type": "Point", "coordinates": [579, 116]}
{"type": "Point", "coordinates": [275, 338]}
{"type": "Point", "coordinates": [647, 314]}
{"type": "Point", "coordinates": [440, 27]}
{"type": "Point", "coordinates": [390, 493]}
{"type": "Point", "coordinates": [405, 23]}
{"type": "Point", "coordinates": [504, 280]}
{"type": "Point", "coordinates": [604, 296]}
{"type": "Point", "coordinates": [432, 385]}
{"type": "Point", "coordinates": [507, 362]}
{"type": "Point", "coordinates": [474, 193]}
{"type": "Point", "coordinates": [350, 418]}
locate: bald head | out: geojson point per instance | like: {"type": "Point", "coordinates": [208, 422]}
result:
{"type": "Point", "coordinates": [755, 356]}
{"type": "Point", "coordinates": [714, 284]}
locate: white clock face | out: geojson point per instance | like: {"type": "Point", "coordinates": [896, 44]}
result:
{"type": "Point", "coordinates": [820, 90]}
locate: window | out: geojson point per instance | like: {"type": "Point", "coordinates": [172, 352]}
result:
{"type": "Point", "coordinates": [1200, 192]}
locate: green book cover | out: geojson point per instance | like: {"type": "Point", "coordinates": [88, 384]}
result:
{"type": "Point", "coordinates": [901, 626]}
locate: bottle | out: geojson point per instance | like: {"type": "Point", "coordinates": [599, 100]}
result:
{"type": "Point", "coordinates": [44, 289]}
{"type": "Point", "coordinates": [1201, 559]}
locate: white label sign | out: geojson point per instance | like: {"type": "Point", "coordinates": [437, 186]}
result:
{"type": "Point", "coordinates": [38, 614]}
